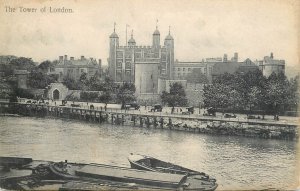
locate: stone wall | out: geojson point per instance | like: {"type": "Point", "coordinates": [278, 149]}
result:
{"type": "Point", "coordinates": [61, 89]}
{"type": "Point", "coordinates": [146, 78]}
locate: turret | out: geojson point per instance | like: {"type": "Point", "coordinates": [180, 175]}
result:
{"type": "Point", "coordinates": [169, 44]}
{"type": "Point", "coordinates": [113, 44]}
{"type": "Point", "coordinates": [156, 38]}
{"type": "Point", "coordinates": [131, 41]}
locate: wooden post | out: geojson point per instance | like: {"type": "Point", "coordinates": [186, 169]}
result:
{"type": "Point", "coordinates": [141, 121]}
{"type": "Point", "coordinates": [100, 116]}
{"type": "Point", "coordinates": [170, 123]}
{"type": "Point", "coordinates": [133, 118]}
{"type": "Point", "coordinates": [148, 122]}
{"type": "Point", "coordinates": [154, 122]}
{"type": "Point", "coordinates": [161, 122]}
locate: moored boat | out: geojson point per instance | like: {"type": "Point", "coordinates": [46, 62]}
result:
{"type": "Point", "coordinates": [141, 179]}
{"type": "Point", "coordinates": [79, 176]}
{"type": "Point", "coordinates": [143, 162]}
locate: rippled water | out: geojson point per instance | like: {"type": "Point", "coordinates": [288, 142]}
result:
{"type": "Point", "coordinates": [236, 162]}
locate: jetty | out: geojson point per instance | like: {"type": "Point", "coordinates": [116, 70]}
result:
{"type": "Point", "coordinates": [190, 123]}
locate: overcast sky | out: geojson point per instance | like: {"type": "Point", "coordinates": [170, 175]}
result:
{"type": "Point", "coordinates": [200, 28]}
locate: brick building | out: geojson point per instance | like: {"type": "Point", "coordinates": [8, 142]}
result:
{"type": "Point", "coordinates": [73, 68]}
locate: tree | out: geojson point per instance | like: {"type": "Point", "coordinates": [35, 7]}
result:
{"type": "Point", "coordinates": [176, 97]}
{"type": "Point", "coordinates": [71, 83]}
{"type": "Point", "coordinates": [38, 79]}
{"type": "Point", "coordinates": [89, 96]}
{"type": "Point", "coordinates": [293, 94]}
{"type": "Point", "coordinates": [105, 97]}
{"type": "Point", "coordinates": [84, 81]}
{"type": "Point", "coordinates": [277, 89]}
{"type": "Point", "coordinates": [22, 63]}
{"type": "Point", "coordinates": [95, 83]}
{"type": "Point", "coordinates": [125, 93]}
{"type": "Point", "coordinates": [107, 88]}
{"type": "Point", "coordinates": [197, 77]}
{"type": "Point", "coordinates": [45, 66]}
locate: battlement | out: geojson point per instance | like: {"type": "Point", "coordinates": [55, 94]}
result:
{"type": "Point", "coordinates": [139, 47]}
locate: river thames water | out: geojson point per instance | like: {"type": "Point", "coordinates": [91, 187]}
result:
{"type": "Point", "coordinates": [236, 162]}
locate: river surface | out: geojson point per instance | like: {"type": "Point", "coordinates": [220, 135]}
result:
{"type": "Point", "coordinates": [236, 162]}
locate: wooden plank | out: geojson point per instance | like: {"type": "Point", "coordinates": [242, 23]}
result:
{"type": "Point", "coordinates": [131, 175]}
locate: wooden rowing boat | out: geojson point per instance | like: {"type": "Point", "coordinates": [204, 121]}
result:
{"type": "Point", "coordinates": [143, 162]}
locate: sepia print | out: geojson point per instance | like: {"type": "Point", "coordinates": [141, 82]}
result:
{"type": "Point", "coordinates": [149, 95]}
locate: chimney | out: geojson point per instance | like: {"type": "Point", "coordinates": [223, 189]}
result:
{"type": "Point", "coordinates": [66, 57]}
{"type": "Point", "coordinates": [100, 66]}
{"type": "Point", "coordinates": [225, 58]}
{"type": "Point", "coordinates": [72, 58]}
{"type": "Point", "coordinates": [271, 55]}
{"type": "Point", "coordinates": [236, 57]}
{"type": "Point", "coordinates": [60, 58]}
{"type": "Point", "coordinates": [82, 57]}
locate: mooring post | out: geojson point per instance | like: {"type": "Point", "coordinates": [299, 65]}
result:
{"type": "Point", "coordinates": [112, 119]}
{"type": "Point", "coordinates": [170, 123]}
{"type": "Point", "coordinates": [100, 117]}
{"type": "Point", "coordinates": [161, 122]}
{"type": "Point", "coordinates": [122, 120]}
{"type": "Point", "coordinates": [141, 122]}
{"type": "Point", "coordinates": [133, 118]}
{"type": "Point", "coordinates": [154, 122]}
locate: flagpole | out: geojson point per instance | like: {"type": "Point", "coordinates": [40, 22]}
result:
{"type": "Point", "coordinates": [126, 35]}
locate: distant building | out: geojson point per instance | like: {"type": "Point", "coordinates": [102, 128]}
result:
{"type": "Point", "coordinates": [213, 67]}
{"type": "Point", "coordinates": [183, 69]}
{"type": "Point", "coordinates": [232, 67]}
{"type": "Point", "coordinates": [269, 65]}
{"type": "Point", "coordinates": [73, 68]}
{"type": "Point", "coordinates": [145, 66]}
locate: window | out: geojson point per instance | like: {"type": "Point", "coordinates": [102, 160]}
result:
{"type": "Point", "coordinates": [189, 69]}
{"type": "Point", "coordinates": [128, 65]}
{"type": "Point", "coordinates": [178, 69]}
{"type": "Point", "coordinates": [119, 65]}
{"type": "Point", "coordinates": [120, 54]}
{"type": "Point", "coordinates": [137, 55]}
{"type": "Point", "coordinates": [183, 69]}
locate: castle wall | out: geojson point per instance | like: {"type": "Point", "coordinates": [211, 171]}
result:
{"type": "Point", "coordinates": [146, 78]}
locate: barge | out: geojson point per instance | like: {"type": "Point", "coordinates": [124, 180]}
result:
{"type": "Point", "coordinates": [78, 176]}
